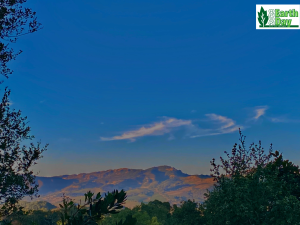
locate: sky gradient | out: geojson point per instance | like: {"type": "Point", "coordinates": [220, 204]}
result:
{"type": "Point", "coordinates": [114, 84]}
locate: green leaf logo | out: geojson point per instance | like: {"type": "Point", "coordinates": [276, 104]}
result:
{"type": "Point", "coordinates": [263, 17]}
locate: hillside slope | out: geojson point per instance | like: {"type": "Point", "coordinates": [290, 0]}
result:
{"type": "Point", "coordinates": [164, 183]}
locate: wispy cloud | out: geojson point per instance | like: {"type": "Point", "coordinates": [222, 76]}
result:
{"type": "Point", "coordinates": [169, 125]}
{"type": "Point", "coordinates": [226, 125]}
{"type": "Point", "coordinates": [282, 119]}
{"type": "Point", "coordinates": [279, 120]}
{"type": "Point", "coordinates": [214, 124]}
{"type": "Point", "coordinates": [160, 128]}
{"type": "Point", "coordinates": [260, 111]}
{"type": "Point", "coordinates": [193, 111]}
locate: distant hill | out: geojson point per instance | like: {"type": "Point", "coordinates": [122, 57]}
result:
{"type": "Point", "coordinates": [36, 205]}
{"type": "Point", "coordinates": [164, 183]}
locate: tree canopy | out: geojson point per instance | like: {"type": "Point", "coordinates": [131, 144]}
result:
{"type": "Point", "coordinates": [266, 193]}
{"type": "Point", "coordinates": [16, 178]}
{"type": "Point", "coordinates": [15, 21]}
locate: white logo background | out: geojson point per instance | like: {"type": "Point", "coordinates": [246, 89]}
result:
{"type": "Point", "coordinates": [271, 14]}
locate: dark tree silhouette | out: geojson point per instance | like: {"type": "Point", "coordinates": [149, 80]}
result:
{"type": "Point", "coordinates": [15, 21]}
{"type": "Point", "coordinates": [254, 190]}
{"type": "Point", "coordinates": [16, 180]}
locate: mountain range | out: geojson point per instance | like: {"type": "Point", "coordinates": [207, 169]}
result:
{"type": "Point", "coordinates": [163, 183]}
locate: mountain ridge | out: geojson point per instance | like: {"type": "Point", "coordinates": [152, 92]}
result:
{"type": "Point", "coordinates": [164, 183]}
{"type": "Point", "coordinates": [128, 169]}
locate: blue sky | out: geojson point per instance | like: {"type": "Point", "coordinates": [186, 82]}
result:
{"type": "Point", "coordinates": [137, 84]}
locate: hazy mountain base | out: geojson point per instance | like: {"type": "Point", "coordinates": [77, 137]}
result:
{"type": "Point", "coordinates": [163, 183]}
{"type": "Point", "coordinates": [37, 205]}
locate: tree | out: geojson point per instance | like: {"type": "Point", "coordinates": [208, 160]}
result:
{"type": "Point", "coordinates": [142, 218]}
{"type": "Point", "coordinates": [93, 210]}
{"type": "Point", "coordinates": [14, 22]}
{"type": "Point", "coordinates": [242, 161]}
{"type": "Point", "coordinates": [158, 209]}
{"type": "Point", "coordinates": [188, 213]}
{"type": "Point", "coordinates": [154, 221]}
{"type": "Point", "coordinates": [128, 221]}
{"type": "Point", "coordinates": [35, 216]}
{"type": "Point", "coordinates": [115, 218]}
{"type": "Point", "coordinates": [284, 179]}
{"type": "Point", "coordinates": [254, 190]}
{"type": "Point", "coordinates": [16, 180]}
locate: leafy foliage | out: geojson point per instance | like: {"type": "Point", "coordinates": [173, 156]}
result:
{"type": "Point", "coordinates": [266, 193]}
{"type": "Point", "coordinates": [16, 180]}
{"type": "Point", "coordinates": [93, 210]}
{"type": "Point", "coordinates": [35, 217]}
{"type": "Point", "coordinates": [117, 218]}
{"type": "Point", "coordinates": [242, 161]}
{"type": "Point", "coordinates": [13, 21]}
{"type": "Point", "coordinates": [188, 213]}
{"type": "Point", "coordinates": [128, 221]}
{"type": "Point", "coordinates": [158, 209]}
